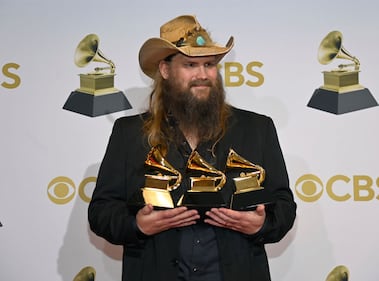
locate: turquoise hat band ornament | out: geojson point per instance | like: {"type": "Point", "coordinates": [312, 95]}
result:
{"type": "Point", "coordinates": [200, 41]}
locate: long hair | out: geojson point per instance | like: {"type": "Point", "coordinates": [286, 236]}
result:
{"type": "Point", "coordinates": [158, 126]}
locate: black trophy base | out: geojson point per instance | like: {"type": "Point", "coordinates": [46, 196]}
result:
{"type": "Point", "coordinates": [246, 201]}
{"type": "Point", "coordinates": [339, 103]}
{"type": "Point", "coordinates": [96, 105]}
{"type": "Point", "coordinates": [203, 201]}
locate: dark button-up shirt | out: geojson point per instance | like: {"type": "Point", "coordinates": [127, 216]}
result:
{"type": "Point", "coordinates": [199, 256]}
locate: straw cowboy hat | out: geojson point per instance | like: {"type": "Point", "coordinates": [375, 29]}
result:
{"type": "Point", "coordinates": [180, 35]}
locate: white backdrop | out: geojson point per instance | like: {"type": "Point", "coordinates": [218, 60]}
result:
{"type": "Point", "coordinates": [46, 150]}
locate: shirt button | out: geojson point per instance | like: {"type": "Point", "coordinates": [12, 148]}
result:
{"type": "Point", "coordinates": [197, 241]}
{"type": "Point", "coordinates": [194, 269]}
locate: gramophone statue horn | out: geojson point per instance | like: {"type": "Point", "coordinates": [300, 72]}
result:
{"type": "Point", "coordinates": [87, 273]}
{"type": "Point", "coordinates": [88, 51]}
{"type": "Point", "coordinates": [97, 94]}
{"type": "Point", "coordinates": [331, 48]}
{"type": "Point", "coordinates": [341, 92]}
{"type": "Point", "coordinates": [339, 273]}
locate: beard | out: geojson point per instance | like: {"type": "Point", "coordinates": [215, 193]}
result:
{"type": "Point", "coordinates": [202, 115]}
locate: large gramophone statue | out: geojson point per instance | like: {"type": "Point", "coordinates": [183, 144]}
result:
{"type": "Point", "coordinates": [87, 273]}
{"type": "Point", "coordinates": [249, 191]}
{"type": "Point", "coordinates": [97, 94]}
{"type": "Point", "coordinates": [339, 273]}
{"type": "Point", "coordinates": [206, 183]}
{"type": "Point", "coordinates": [160, 180]}
{"type": "Point", "coordinates": [341, 92]}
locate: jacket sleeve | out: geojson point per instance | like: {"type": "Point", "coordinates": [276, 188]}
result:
{"type": "Point", "coordinates": [281, 215]}
{"type": "Point", "coordinates": [108, 215]}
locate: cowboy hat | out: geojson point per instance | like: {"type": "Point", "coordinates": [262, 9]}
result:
{"type": "Point", "coordinates": [183, 35]}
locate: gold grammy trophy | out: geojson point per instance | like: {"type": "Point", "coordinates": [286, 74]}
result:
{"type": "Point", "coordinates": [158, 184]}
{"type": "Point", "coordinates": [341, 92]}
{"type": "Point", "coordinates": [248, 190]}
{"type": "Point", "coordinates": [97, 94]}
{"type": "Point", "coordinates": [206, 183]}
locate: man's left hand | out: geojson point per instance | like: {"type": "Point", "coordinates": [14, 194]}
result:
{"type": "Point", "coordinates": [247, 222]}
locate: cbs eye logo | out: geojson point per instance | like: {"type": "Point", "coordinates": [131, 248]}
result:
{"type": "Point", "coordinates": [310, 188]}
{"type": "Point", "coordinates": [62, 190]}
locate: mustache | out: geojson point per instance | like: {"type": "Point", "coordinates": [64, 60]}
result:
{"type": "Point", "coordinates": [195, 83]}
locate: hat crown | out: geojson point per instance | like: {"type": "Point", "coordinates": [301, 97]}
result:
{"type": "Point", "coordinates": [185, 30]}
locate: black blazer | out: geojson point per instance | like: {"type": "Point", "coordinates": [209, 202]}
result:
{"type": "Point", "coordinates": [121, 174]}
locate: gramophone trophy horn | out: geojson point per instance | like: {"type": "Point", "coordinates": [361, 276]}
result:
{"type": "Point", "coordinates": [162, 179]}
{"type": "Point", "coordinates": [96, 94]}
{"type": "Point", "coordinates": [247, 178]}
{"type": "Point", "coordinates": [206, 183]}
{"type": "Point", "coordinates": [341, 92]}
{"type": "Point", "coordinates": [169, 181]}
{"type": "Point", "coordinates": [211, 178]}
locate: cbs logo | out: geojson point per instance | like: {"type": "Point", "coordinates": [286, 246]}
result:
{"type": "Point", "coordinates": [13, 80]}
{"type": "Point", "coordinates": [235, 74]}
{"type": "Point", "coordinates": [310, 188]}
{"type": "Point", "coordinates": [62, 190]}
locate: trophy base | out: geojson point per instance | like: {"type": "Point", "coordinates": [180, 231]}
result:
{"type": "Point", "coordinates": [96, 105]}
{"type": "Point", "coordinates": [341, 81]}
{"type": "Point", "coordinates": [339, 103]}
{"type": "Point", "coordinates": [160, 199]}
{"type": "Point", "coordinates": [246, 201]}
{"type": "Point", "coordinates": [203, 200]}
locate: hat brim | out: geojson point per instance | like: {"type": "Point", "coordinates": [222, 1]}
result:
{"type": "Point", "coordinates": [156, 49]}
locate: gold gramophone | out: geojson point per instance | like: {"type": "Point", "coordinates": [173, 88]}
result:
{"type": "Point", "coordinates": [249, 192]}
{"type": "Point", "coordinates": [97, 94]}
{"type": "Point", "coordinates": [96, 82]}
{"type": "Point", "coordinates": [341, 92]}
{"type": "Point", "coordinates": [205, 184]}
{"type": "Point", "coordinates": [158, 184]}
{"type": "Point", "coordinates": [345, 77]}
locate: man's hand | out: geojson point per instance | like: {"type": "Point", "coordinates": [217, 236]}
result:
{"type": "Point", "coordinates": [151, 221]}
{"type": "Point", "coordinates": [247, 222]}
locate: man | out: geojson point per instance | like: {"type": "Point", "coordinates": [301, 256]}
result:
{"type": "Point", "coordinates": [188, 113]}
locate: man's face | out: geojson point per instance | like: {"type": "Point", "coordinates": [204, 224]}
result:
{"type": "Point", "coordinates": [193, 93]}
{"type": "Point", "coordinates": [195, 75]}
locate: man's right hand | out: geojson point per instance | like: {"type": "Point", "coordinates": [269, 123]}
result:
{"type": "Point", "coordinates": [151, 221]}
